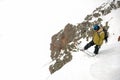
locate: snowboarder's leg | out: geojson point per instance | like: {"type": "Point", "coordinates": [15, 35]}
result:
{"type": "Point", "coordinates": [96, 49]}
{"type": "Point", "coordinates": [91, 43]}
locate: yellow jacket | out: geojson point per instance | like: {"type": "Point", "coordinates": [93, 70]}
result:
{"type": "Point", "coordinates": [98, 37]}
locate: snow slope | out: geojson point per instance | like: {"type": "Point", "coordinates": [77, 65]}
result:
{"type": "Point", "coordinates": [104, 66]}
{"type": "Point", "coordinates": [26, 27]}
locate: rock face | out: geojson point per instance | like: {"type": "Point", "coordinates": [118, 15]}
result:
{"type": "Point", "coordinates": [66, 40]}
{"type": "Point", "coordinates": [60, 48]}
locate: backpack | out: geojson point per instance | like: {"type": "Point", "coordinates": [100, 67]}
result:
{"type": "Point", "coordinates": [106, 35]}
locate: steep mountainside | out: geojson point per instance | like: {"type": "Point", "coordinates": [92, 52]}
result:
{"type": "Point", "coordinates": [65, 42]}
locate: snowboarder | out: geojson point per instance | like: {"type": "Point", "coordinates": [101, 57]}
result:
{"type": "Point", "coordinates": [97, 40]}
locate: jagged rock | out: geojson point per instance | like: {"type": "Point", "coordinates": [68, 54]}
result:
{"type": "Point", "coordinates": [52, 68]}
{"type": "Point", "coordinates": [60, 47]}
{"type": "Point", "coordinates": [69, 32]}
{"type": "Point", "coordinates": [96, 14]}
{"type": "Point", "coordinates": [100, 20]}
{"type": "Point", "coordinates": [106, 11]}
{"type": "Point", "coordinates": [118, 4]}
{"type": "Point", "coordinates": [113, 5]}
{"type": "Point", "coordinates": [88, 17]}
{"type": "Point", "coordinates": [67, 58]}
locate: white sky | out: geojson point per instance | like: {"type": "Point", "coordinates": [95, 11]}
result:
{"type": "Point", "coordinates": [26, 27]}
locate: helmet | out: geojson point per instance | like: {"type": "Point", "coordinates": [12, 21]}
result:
{"type": "Point", "coordinates": [96, 27]}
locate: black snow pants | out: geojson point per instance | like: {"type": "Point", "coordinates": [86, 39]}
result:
{"type": "Point", "coordinates": [91, 43]}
